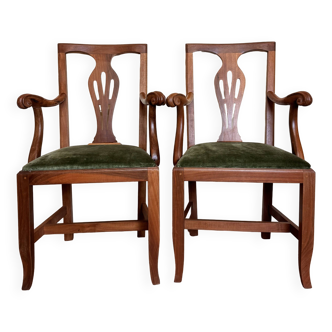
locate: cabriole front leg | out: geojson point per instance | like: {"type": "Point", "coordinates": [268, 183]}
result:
{"type": "Point", "coordinates": [306, 226]}
{"type": "Point", "coordinates": [153, 223]}
{"type": "Point", "coordinates": [178, 222]}
{"type": "Point", "coordinates": [26, 228]}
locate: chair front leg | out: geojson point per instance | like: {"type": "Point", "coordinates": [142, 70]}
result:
{"type": "Point", "coordinates": [178, 222]}
{"type": "Point", "coordinates": [26, 229]}
{"type": "Point", "coordinates": [306, 226]}
{"type": "Point", "coordinates": [153, 223]}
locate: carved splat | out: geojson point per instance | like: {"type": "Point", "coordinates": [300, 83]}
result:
{"type": "Point", "coordinates": [104, 86]}
{"type": "Point", "coordinates": [229, 84]}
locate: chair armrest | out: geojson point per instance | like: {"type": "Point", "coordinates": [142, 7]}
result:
{"type": "Point", "coordinates": [179, 100]}
{"type": "Point", "coordinates": [153, 99]}
{"type": "Point", "coordinates": [28, 100]}
{"type": "Point", "coordinates": [294, 100]}
{"type": "Point", "coordinates": [301, 98]}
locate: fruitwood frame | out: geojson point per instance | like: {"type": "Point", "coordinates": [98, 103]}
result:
{"type": "Point", "coordinates": [304, 232]}
{"type": "Point", "coordinates": [148, 215]}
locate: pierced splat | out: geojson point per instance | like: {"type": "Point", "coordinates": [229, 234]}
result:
{"type": "Point", "coordinates": [229, 84]}
{"type": "Point", "coordinates": [104, 86]}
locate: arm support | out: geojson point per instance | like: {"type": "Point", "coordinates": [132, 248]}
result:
{"type": "Point", "coordinates": [28, 100]}
{"type": "Point", "coordinates": [153, 99]}
{"type": "Point", "coordinates": [294, 100]}
{"type": "Point", "coordinates": [179, 100]}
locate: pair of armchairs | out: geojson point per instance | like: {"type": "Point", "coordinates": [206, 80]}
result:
{"type": "Point", "coordinates": [106, 160]}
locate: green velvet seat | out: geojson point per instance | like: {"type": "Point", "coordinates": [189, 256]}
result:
{"type": "Point", "coordinates": [91, 157]}
{"type": "Point", "coordinates": [240, 155]}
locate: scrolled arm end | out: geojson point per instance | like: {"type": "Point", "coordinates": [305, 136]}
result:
{"type": "Point", "coordinates": [155, 98]}
{"type": "Point", "coordinates": [28, 100]}
{"type": "Point", "coordinates": [177, 99]}
{"type": "Point", "coordinates": [37, 102]}
{"type": "Point", "coordinates": [301, 98]}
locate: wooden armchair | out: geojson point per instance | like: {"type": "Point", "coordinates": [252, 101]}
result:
{"type": "Point", "coordinates": [105, 160]}
{"type": "Point", "coordinates": [231, 160]}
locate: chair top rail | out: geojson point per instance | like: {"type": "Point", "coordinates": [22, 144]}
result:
{"type": "Point", "coordinates": [231, 48]}
{"type": "Point", "coordinates": [102, 49]}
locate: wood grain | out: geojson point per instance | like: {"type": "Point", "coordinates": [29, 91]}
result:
{"type": "Point", "coordinates": [37, 102]}
{"type": "Point", "coordinates": [26, 229]}
{"type": "Point", "coordinates": [153, 99]}
{"type": "Point", "coordinates": [301, 98]}
{"type": "Point", "coordinates": [142, 107]}
{"type": "Point", "coordinates": [229, 104]}
{"type": "Point", "coordinates": [231, 48]}
{"type": "Point", "coordinates": [229, 101]}
{"type": "Point", "coordinates": [28, 100]}
{"type": "Point", "coordinates": [88, 176]}
{"type": "Point", "coordinates": [36, 146]}
{"type": "Point", "coordinates": [238, 226]}
{"type": "Point", "coordinates": [67, 201]}
{"type": "Point", "coordinates": [306, 226]}
{"type": "Point", "coordinates": [252, 175]}
{"type": "Point", "coordinates": [266, 203]}
{"type": "Point", "coordinates": [64, 111]}
{"type": "Point", "coordinates": [192, 188]}
{"type": "Point", "coordinates": [179, 100]}
{"type": "Point", "coordinates": [294, 229]}
{"type": "Point", "coordinates": [178, 222]}
{"type": "Point", "coordinates": [154, 223]}
{"type": "Point", "coordinates": [102, 49]}
{"type": "Point", "coordinates": [104, 98]}
{"type": "Point", "coordinates": [53, 219]}
{"type": "Point", "coordinates": [269, 106]}
{"type": "Point", "coordinates": [96, 226]}
{"type": "Point", "coordinates": [190, 106]}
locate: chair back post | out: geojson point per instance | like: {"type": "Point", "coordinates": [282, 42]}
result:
{"type": "Point", "coordinates": [269, 105]}
{"type": "Point", "coordinates": [63, 88]}
{"type": "Point", "coordinates": [142, 107]}
{"type": "Point", "coordinates": [190, 88]}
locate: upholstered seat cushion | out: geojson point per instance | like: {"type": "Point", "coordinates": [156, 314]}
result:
{"type": "Point", "coordinates": [91, 157]}
{"type": "Point", "coordinates": [240, 155]}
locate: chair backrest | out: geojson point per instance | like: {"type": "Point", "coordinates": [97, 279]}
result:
{"type": "Point", "coordinates": [229, 86]}
{"type": "Point", "coordinates": [102, 78]}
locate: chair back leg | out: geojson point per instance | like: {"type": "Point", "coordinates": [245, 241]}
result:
{"type": "Point", "coordinates": [141, 201]}
{"type": "Point", "coordinates": [193, 199]}
{"type": "Point", "coordinates": [267, 202]}
{"type": "Point", "coordinates": [67, 201]}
